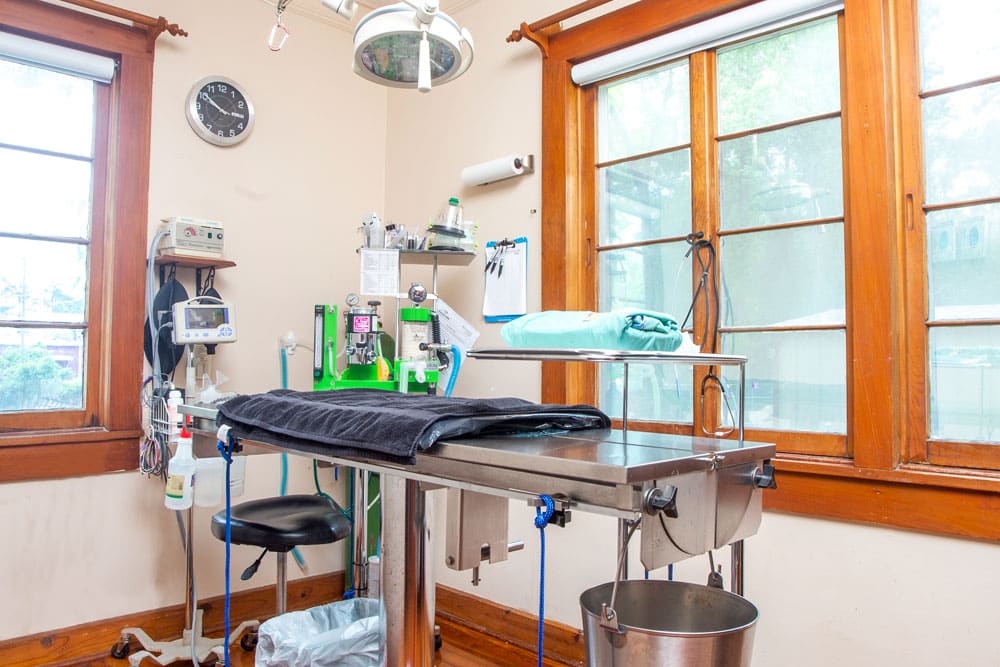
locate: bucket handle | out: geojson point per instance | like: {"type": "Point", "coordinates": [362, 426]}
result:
{"type": "Point", "coordinates": [609, 617]}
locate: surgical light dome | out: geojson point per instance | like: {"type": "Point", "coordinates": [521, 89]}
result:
{"type": "Point", "coordinates": [408, 44]}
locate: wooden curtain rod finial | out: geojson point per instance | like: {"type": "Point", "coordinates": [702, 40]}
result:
{"type": "Point", "coordinates": [159, 27]}
{"type": "Point", "coordinates": [174, 29]}
{"type": "Point", "coordinates": [539, 39]}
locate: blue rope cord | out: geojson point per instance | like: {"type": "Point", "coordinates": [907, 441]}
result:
{"type": "Point", "coordinates": [542, 520]}
{"type": "Point", "coordinates": [224, 450]}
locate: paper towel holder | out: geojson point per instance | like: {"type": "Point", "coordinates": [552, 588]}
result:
{"type": "Point", "coordinates": [500, 169]}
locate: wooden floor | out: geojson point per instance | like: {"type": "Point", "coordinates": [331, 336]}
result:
{"type": "Point", "coordinates": [461, 647]}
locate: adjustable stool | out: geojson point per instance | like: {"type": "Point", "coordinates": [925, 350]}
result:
{"type": "Point", "coordinates": [282, 523]}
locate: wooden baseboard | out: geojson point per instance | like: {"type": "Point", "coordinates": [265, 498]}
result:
{"type": "Point", "coordinates": [80, 644]}
{"type": "Point", "coordinates": [563, 644]}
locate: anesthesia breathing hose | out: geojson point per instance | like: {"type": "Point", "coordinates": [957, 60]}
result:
{"type": "Point", "coordinates": [542, 520]}
{"type": "Point", "coordinates": [456, 364]}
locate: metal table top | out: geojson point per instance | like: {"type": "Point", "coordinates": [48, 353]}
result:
{"type": "Point", "coordinates": [602, 469]}
{"type": "Point", "coordinates": [605, 456]}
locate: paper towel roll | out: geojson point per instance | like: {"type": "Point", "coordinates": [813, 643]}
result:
{"type": "Point", "coordinates": [496, 170]}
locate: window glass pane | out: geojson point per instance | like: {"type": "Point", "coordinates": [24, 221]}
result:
{"type": "Point", "coordinates": [657, 392]}
{"type": "Point", "coordinates": [44, 195]}
{"type": "Point", "coordinates": [958, 41]}
{"type": "Point", "coordinates": [643, 113]}
{"type": "Point", "coordinates": [52, 111]}
{"type": "Point", "coordinates": [782, 176]}
{"type": "Point", "coordinates": [796, 381]}
{"type": "Point", "coordinates": [779, 78]}
{"type": "Point", "coordinates": [646, 199]}
{"type": "Point", "coordinates": [655, 277]}
{"type": "Point", "coordinates": [965, 383]}
{"type": "Point", "coordinates": [963, 267]}
{"type": "Point", "coordinates": [784, 277]}
{"type": "Point", "coordinates": [42, 281]}
{"type": "Point", "coordinates": [41, 369]}
{"type": "Point", "coordinates": [962, 144]}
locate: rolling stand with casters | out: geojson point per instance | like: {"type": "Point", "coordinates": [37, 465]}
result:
{"type": "Point", "coordinates": [191, 641]}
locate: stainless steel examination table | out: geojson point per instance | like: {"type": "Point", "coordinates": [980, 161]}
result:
{"type": "Point", "coordinates": [703, 493]}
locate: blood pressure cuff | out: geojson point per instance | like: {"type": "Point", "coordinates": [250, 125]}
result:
{"type": "Point", "coordinates": [384, 425]}
{"type": "Point", "coordinates": [643, 330]}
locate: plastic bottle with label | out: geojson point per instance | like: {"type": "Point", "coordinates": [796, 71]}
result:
{"type": "Point", "coordinates": [180, 474]}
{"type": "Point", "coordinates": [174, 420]}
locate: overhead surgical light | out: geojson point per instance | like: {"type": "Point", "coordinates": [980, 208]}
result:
{"type": "Point", "coordinates": [408, 44]}
{"type": "Point", "coordinates": [345, 8]}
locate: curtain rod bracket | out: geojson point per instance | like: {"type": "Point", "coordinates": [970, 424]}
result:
{"type": "Point", "coordinates": [537, 32]}
{"type": "Point", "coordinates": [541, 40]}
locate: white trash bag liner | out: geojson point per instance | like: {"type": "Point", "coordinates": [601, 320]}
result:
{"type": "Point", "coordinates": [345, 633]}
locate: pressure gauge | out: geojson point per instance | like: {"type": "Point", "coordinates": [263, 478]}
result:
{"type": "Point", "coordinates": [353, 299]}
{"type": "Point", "coordinates": [417, 293]}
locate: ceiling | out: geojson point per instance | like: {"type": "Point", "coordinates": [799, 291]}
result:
{"type": "Point", "coordinates": [315, 10]}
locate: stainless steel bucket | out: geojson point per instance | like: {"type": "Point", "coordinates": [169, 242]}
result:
{"type": "Point", "coordinates": [668, 624]}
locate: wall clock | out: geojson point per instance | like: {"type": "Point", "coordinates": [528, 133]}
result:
{"type": "Point", "coordinates": [219, 111]}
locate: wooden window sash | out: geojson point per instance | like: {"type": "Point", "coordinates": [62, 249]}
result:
{"type": "Point", "coordinates": [106, 438]}
{"type": "Point", "coordinates": [919, 446]}
{"type": "Point", "coordinates": [873, 482]}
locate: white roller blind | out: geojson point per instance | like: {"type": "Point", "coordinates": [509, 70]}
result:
{"type": "Point", "coordinates": [735, 25]}
{"type": "Point", "coordinates": [57, 58]}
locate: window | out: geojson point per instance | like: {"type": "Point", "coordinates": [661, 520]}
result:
{"type": "Point", "coordinates": [839, 166]}
{"type": "Point", "coordinates": [47, 184]}
{"type": "Point", "coordinates": [74, 155]}
{"type": "Point", "coordinates": [953, 106]}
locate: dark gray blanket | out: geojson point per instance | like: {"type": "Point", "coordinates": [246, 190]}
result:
{"type": "Point", "coordinates": [370, 423]}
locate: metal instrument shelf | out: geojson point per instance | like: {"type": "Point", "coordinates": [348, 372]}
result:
{"type": "Point", "coordinates": [624, 357]}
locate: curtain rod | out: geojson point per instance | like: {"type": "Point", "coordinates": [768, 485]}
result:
{"type": "Point", "coordinates": [531, 31]}
{"type": "Point", "coordinates": [154, 26]}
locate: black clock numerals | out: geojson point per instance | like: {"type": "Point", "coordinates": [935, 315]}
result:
{"type": "Point", "coordinates": [222, 109]}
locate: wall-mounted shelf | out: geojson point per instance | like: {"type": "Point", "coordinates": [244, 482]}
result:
{"type": "Point", "coordinates": [188, 262]}
{"type": "Point", "coordinates": [435, 257]}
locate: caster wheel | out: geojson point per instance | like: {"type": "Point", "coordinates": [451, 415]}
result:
{"type": "Point", "coordinates": [437, 642]}
{"type": "Point", "coordinates": [248, 642]}
{"type": "Point", "coordinates": [120, 649]}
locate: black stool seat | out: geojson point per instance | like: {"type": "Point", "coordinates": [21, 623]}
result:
{"type": "Point", "coordinates": [284, 522]}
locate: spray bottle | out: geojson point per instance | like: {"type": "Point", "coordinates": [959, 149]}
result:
{"type": "Point", "coordinates": [180, 474]}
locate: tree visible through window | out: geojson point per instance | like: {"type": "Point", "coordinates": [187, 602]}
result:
{"type": "Point", "coordinates": [74, 184]}
{"type": "Point", "coordinates": [46, 186]}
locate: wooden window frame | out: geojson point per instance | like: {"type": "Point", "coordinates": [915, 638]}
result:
{"type": "Point", "coordinates": [875, 482]}
{"type": "Point", "coordinates": [108, 440]}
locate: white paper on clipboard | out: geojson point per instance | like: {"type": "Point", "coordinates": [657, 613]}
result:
{"type": "Point", "coordinates": [505, 296]}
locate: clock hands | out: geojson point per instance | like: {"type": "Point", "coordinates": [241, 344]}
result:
{"type": "Point", "coordinates": [213, 103]}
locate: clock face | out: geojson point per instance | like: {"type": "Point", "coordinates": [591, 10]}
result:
{"type": "Point", "coordinates": [219, 111]}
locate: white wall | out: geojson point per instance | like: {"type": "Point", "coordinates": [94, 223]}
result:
{"type": "Point", "coordinates": [328, 147]}
{"type": "Point", "coordinates": [290, 197]}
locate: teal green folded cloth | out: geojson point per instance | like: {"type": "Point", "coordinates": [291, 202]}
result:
{"type": "Point", "coordinates": [616, 330]}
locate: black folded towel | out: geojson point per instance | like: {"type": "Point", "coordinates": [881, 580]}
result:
{"type": "Point", "coordinates": [389, 425]}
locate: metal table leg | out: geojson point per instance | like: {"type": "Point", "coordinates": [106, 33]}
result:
{"type": "Point", "coordinates": [407, 581]}
{"type": "Point", "coordinates": [736, 567]}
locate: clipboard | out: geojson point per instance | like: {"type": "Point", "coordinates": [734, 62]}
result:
{"type": "Point", "coordinates": [505, 293]}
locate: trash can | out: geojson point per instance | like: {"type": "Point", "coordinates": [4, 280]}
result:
{"type": "Point", "coordinates": [668, 624]}
{"type": "Point", "coordinates": [346, 633]}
